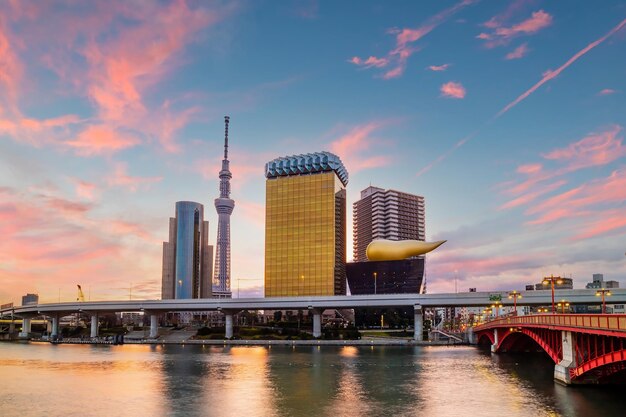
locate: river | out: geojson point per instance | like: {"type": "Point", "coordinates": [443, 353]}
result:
{"type": "Point", "coordinates": [40, 379]}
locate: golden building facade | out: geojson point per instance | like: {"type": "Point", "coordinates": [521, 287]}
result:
{"type": "Point", "coordinates": [305, 232]}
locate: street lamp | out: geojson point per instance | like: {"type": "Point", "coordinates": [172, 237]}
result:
{"type": "Point", "coordinates": [515, 295]}
{"type": "Point", "coordinates": [604, 293]}
{"type": "Point", "coordinates": [496, 305]}
{"type": "Point", "coordinates": [550, 281]}
{"type": "Point", "coordinates": [562, 304]}
{"type": "Point", "coordinates": [375, 275]}
{"type": "Point", "coordinates": [542, 310]}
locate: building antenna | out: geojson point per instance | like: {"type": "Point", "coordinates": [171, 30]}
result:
{"type": "Point", "coordinates": [226, 120]}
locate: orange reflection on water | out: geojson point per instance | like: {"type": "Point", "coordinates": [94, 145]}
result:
{"type": "Point", "coordinates": [349, 351]}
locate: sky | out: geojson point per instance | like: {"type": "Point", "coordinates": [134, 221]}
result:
{"type": "Point", "coordinates": [507, 116]}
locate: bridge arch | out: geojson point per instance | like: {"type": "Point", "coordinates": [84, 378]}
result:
{"type": "Point", "coordinates": [485, 338]}
{"type": "Point", "coordinates": [549, 341]}
{"type": "Point", "coordinates": [605, 365]}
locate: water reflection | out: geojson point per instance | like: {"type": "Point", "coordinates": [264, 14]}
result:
{"type": "Point", "coordinates": [337, 381]}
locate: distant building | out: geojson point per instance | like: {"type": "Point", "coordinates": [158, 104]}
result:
{"type": "Point", "coordinates": [386, 214]}
{"type": "Point", "coordinates": [530, 287]}
{"type": "Point", "coordinates": [305, 226]}
{"type": "Point", "coordinates": [30, 299]}
{"type": "Point", "coordinates": [187, 257]}
{"type": "Point", "coordinates": [599, 282]}
{"type": "Point", "coordinates": [566, 284]}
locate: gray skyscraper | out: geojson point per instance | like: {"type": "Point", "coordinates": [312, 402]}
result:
{"type": "Point", "coordinates": [187, 257]}
{"type": "Point", "coordinates": [224, 206]}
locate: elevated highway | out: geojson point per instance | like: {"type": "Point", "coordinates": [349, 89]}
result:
{"type": "Point", "coordinates": [230, 306]}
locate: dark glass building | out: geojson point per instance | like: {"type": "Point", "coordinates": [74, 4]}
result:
{"type": "Point", "coordinates": [385, 277]}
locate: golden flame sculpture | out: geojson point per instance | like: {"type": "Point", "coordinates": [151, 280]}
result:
{"type": "Point", "coordinates": [395, 250]}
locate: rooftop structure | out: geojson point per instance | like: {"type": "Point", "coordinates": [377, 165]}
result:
{"type": "Point", "coordinates": [599, 282]}
{"type": "Point", "coordinates": [310, 163]}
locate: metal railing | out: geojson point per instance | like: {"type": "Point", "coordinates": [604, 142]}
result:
{"type": "Point", "coordinates": [612, 322]}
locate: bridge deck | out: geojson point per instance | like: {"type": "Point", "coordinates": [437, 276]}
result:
{"type": "Point", "coordinates": [610, 324]}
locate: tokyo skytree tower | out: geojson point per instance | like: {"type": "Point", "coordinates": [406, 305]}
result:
{"type": "Point", "coordinates": [224, 206]}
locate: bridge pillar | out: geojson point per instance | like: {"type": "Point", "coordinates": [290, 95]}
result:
{"type": "Point", "coordinates": [496, 341]}
{"type": "Point", "coordinates": [54, 332]}
{"type": "Point", "coordinates": [25, 328]}
{"type": "Point", "coordinates": [228, 321]}
{"type": "Point", "coordinates": [94, 325]}
{"type": "Point", "coordinates": [471, 336]}
{"type": "Point", "coordinates": [11, 328]}
{"type": "Point", "coordinates": [317, 322]}
{"type": "Point", "coordinates": [154, 326]}
{"type": "Point", "coordinates": [418, 324]}
{"type": "Point", "coordinates": [561, 369]}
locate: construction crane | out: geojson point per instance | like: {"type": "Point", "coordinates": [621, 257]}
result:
{"type": "Point", "coordinates": [81, 296]}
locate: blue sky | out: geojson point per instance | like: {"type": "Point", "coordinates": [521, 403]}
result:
{"type": "Point", "coordinates": [507, 116]}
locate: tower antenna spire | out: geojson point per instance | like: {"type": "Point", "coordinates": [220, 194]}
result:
{"type": "Point", "coordinates": [226, 121]}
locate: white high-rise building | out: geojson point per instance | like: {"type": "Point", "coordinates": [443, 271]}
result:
{"type": "Point", "coordinates": [386, 214]}
{"type": "Point", "coordinates": [224, 206]}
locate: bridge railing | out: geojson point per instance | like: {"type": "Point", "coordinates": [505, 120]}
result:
{"type": "Point", "coordinates": [611, 322]}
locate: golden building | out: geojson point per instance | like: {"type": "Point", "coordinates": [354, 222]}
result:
{"type": "Point", "coordinates": [305, 225]}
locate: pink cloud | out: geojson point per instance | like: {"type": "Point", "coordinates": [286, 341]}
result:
{"type": "Point", "coordinates": [453, 90]}
{"type": "Point", "coordinates": [593, 150]}
{"type": "Point", "coordinates": [394, 73]}
{"type": "Point", "coordinates": [353, 147]}
{"type": "Point", "coordinates": [65, 248]}
{"type": "Point", "coordinates": [512, 9]}
{"type": "Point", "coordinates": [501, 35]}
{"type": "Point", "coordinates": [589, 195]}
{"type": "Point", "coordinates": [84, 189]}
{"type": "Point", "coordinates": [125, 52]}
{"type": "Point", "coordinates": [439, 67]}
{"type": "Point", "coordinates": [610, 221]}
{"type": "Point", "coordinates": [518, 52]}
{"type": "Point", "coordinates": [120, 178]}
{"type": "Point", "coordinates": [372, 61]}
{"type": "Point", "coordinates": [533, 195]}
{"type": "Point", "coordinates": [553, 74]}
{"type": "Point", "coordinates": [606, 92]}
{"type": "Point", "coordinates": [97, 140]}
{"type": "Point", "coordinates": [529, 168]}
{"type": "Point", "coordinates": [405, 40]}
{"type": "Point", "coordinates": [10, 65]}
{"type": "Point", "coordinates": [36, 132]}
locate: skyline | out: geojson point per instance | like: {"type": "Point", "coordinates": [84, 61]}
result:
{"type": "Point", "coordinates": [506, 116]}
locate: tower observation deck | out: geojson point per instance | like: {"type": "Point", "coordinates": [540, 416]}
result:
{"type": "Point", "coordinates": [224, 206]}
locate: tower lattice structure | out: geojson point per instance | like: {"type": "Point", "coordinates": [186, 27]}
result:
{"type": "Point", "coordinates": [224, 206]}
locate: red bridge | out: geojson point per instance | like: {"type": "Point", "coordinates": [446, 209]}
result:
{"type": "Point", "coordinates": [586, 348]}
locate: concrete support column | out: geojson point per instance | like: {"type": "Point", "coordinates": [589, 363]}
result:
{"type": "Point", "coordinates": [496, 341]}
{"type": "Point", "coordinates": [94, 325]}
{"type": "Point", "coordinates": [470, 335]}
{"type": "Point", "coordinates": [317, 322]}
{"type": "Point", "coordinates": [228, 322]}
{"type": "Point", "coordinates": [418, 324]}
{"type": "Point", "coordinates": [154, 326]}
{"type": "Point", "coordinates": [25, 328]}
{"type": "Point", "coordinates": [11, 328]}
{"type": "Point", "coordinates": [55, 326]}
{"type": "Point", "coordinates": [561, 369]}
